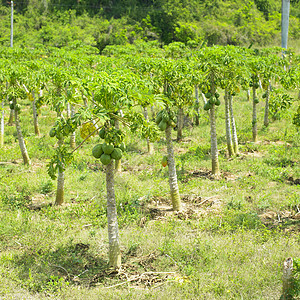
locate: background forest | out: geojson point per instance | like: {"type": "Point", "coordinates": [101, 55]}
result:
{"type": "Point", "coordinates": [100, 23]}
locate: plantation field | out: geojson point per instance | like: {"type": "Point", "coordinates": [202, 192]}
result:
{"type": "Point", "coordinates": [229, 240]}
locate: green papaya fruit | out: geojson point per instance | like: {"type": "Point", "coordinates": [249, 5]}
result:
{"type": "Point", "coordinates": [162, 125]}
{"type": "Point", "coordinates": [18, 107]}
{"type": "Point", "coordinates": [97, 151]}
{"type": "Point", "coordinates": [211, 100]}
{"type": "Point", "coordinates": [158, 117]}
{"type": "Point", "coordinates": [102, 133]}
{"type": "Point", "coordinates": [207, 106]}
{"type": "Point", "coordinates": [11, 106]}
{"type": "Point", "coordinates": [218, 102]}
{"type": "Point", "coordinates": [116, 154]}
{"type": "Point", "coordinates": [108, 148]}
{"type": "Point", "coordinates": [256, 100]}
{"type": "Point", "coordinates": [52, 132]}
{"type": "Point", "coordinates": [208, 95]}
{"type": "Point", "coordinates": [165, 116]}
{"type": "Point", "coordinates": [105, 159]}
{"type": "Point", "coordinates": [217, 95]}
{"type": "Point", "coordinates": [59, 135]}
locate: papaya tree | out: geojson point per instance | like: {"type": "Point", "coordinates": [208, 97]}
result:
{"type": "Point", "coordinates": [255, 67]}
{"type": "Point", "coordinates": [272, 68]}
{"type": "Point", "coordinates": [16, 92]}
{"type": "Point", "coordinates": [234, 75]}
{"type": "Point", "coordinates": [62, 128]}
{"type": "Point", "coordinates": [211, 66]}
{"type": "Point", "coordinates": [111, 93]}
{"type": "Point", "coordinates": [3, 86]}
{"type": "Point", "coordinates": [173, 82]}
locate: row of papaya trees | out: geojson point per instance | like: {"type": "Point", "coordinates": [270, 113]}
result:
{"type": "Point", "coordinates": [105, 94]}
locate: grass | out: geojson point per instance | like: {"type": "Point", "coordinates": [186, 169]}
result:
{"type": "Point", "coordinates": [232, 246]}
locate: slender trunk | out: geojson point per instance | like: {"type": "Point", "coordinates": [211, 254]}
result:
{"type": "Point", "coordinates": [254, 117]}
{"type": "Point", "coordinates": [35, 116]}
{"type": "Point", "coordinates": [152, 112]}
{"type": "Point", "coordinates": [213, 141]}
{"type": "Point", "coordinates": [203, 98]}
{"type": "Point", "coordinates": [114, 252]}
{"type": "Point", "coordinates": [150, 146]}
{"type": "Point", "coordinates": [11, 117]}
{"type": "Point", "coordinates": [59, 200]}
{"type": "Point", "coordinates": [287, 279]}
{"type": "Point", "coordinates": [180, 124]}
{"type": "Point", "coordinates": [248, 95]}
{"type": "Point", "coordinates": [22, 145]}
{"type": "Point", "coordinates": [73, 134]}
{"type": "Point", "coordinates": [175, 197]}
{"type": "Point", "coordinates": [2, 124]}
{"type": "Point", "coordinates": [68, 110]}
{"type": "Point", "coordinates": [227, 125]}
{"type": "Point", "coordinates": [233, 127]}
{"type": "Point", "coordinates": [266, 117]}
{"type": "Point", "coordinates": [197, 112]}
{"type": "Point", "coordinates": [285, 12]}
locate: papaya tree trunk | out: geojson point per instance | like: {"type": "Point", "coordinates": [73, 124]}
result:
{"type": "Point", "coordinates": [35, 116]}
{"type": "Point", "coordinates": [60, 194]}
{"type": "Point", "coordinates": [287, 279]}
{"type": "Point", "coordinates": [73, 134]}
{"type": "Point", "coordinates": [197, 104]}
{"type": "Point", "coordinates": [114, 252]}
{"type": "Point", "coordinates": [175, 197]}
{"type": "Point", "coordinates": [266, 116]}
{"type": "Point", "coordinates": [248, 95]}
{"type": "Point", "coordinates": [213, 142]}
{"type": "Point", "coordinates": [2, 124]}
{"type": "Point", "coordinates": [285, 13]}
{"type": "Point", "coordinates": [150, 147]}
{"type": "Point", "coordinates": [152, 112]}
{"type": "Point", "coordinates": [254, 116]}
{"type": "Point", "coordinates": [180, 118]}
{"type": "Point", "coordinates": [233, 126]}
{"type": "Point", "coordinates": [21, 140]}
{"type": "Point", "coordinates": [11, 117]}
{"type": "Point", "coordinates": [227, 125]}
{"type": "Point", "coordinates": [68, 110]}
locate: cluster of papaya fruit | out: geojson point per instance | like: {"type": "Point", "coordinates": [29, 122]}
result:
{"type": "Point", "coordinates": [165, 118]}
{"type": "Point", "coordinates": [254, 82]}
{"type": "Point", "coordinates": [113, 145]}
{"type": "Point", "coordinates": [111, 135]}
{"type": "Point", "coordinates": [62, 129]}
{"type": "Point", "coordinates": [213, 99]}
{"type": "Point", "coordinates": [108, 152]}
{"type": "Point", "coordinates": [17, 107]}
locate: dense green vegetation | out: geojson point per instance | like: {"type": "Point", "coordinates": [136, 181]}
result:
{"type": "Point", "coordinates": [101, 23]}
{"type": "Point", "coordinates": [237, 223]}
